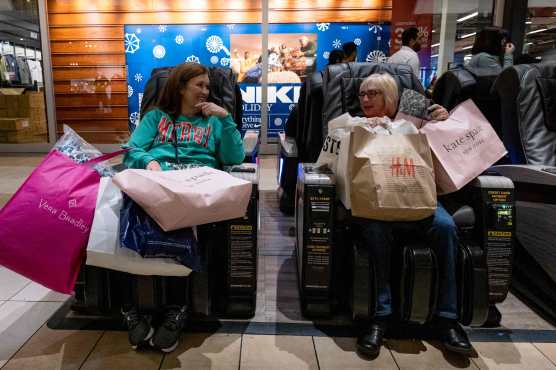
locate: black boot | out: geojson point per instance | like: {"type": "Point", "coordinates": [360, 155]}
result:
{"type": "Point", "coordinates": [453, 337]}
{"type": "Point", "coordinates": [370, 341]}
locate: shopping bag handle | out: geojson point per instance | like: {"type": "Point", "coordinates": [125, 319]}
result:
{"type": "Point", "coordinates": [105, 157]}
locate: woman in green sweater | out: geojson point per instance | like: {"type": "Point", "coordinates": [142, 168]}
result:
{"type": "Point", "coordinates": [184, 130]}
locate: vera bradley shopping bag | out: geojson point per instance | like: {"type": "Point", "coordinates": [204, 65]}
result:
{"type": "Point", "coordinates": [45, 226]}
{"type": "Point", "coordinates": [104, 250]}
{"type": "Point", "coordinates": [464, 146]}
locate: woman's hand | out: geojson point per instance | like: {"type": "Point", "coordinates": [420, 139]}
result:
{"type": "Point", "coordinates": [154, 166]}
{"type": "Point", "coordinates": [211, 109]}
{"type": "Point", "coordinates": [438, 112]}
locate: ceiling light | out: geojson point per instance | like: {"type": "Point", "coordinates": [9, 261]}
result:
{"type": "Point", "coordinates": [468, 35]}
{"type": "Point", "coordinates": [528, 22]}
{"type": "Point", "coordinates": [435, 45]}
{"type": "Point", "coordinates": [434, 55]}
{"type": "Point", "coordinates": [468, 16]}
{"type": "Point", "coordinates": [537, 31]}
{"type": "Point", "coordinates": [467, 47]}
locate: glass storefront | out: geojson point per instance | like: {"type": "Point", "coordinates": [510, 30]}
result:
{"type": "Point", "coordinates": [22, 101]}
{"type": "Point", "coordinates": [540, 32]}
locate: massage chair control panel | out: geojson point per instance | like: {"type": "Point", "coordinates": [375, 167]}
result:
{"type": "Point", "coordinates": [241, 261]}
{"type": "Point", "coordinates": [493, 201]}
{"type": "Point", "coordinates": [316, 191]}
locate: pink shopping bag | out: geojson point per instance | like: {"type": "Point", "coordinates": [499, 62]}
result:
{"type": "Point", "coordinates": [464, 146]}
{"type": "Point", "coordinates": [45, 226]}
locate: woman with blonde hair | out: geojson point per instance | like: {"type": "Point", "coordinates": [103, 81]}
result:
{"type": "Point", "coordinates": [378, 97]}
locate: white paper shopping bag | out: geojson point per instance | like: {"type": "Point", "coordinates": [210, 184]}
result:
{"type": "Point", "coordinates": [104, 249]}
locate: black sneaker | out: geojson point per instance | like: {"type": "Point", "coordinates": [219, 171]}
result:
{"type": "Point", "coordinates": [139, 329]}
{"type": "Point", "coordinates": [167, 335]}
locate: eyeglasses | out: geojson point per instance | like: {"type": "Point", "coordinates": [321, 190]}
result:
{"type": "Point", "coordinates": [369, 93]}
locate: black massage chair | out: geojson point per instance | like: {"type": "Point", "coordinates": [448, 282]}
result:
{"type": "Point", "coordinates": [227, 285]}
{"type": "Point", "coordinates": [528, 115]}
{"type": "Point", "coordinates": [333, 264]}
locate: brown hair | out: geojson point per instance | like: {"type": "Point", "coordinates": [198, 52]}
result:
{"type": "Point", "coordinates": [170, 100]}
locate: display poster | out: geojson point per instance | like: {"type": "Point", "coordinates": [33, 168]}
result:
{"type": "Point", "coordinates": [295, 51]}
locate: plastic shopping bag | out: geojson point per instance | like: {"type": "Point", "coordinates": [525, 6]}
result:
{"type": "Point", "coordinates": [139, 232]}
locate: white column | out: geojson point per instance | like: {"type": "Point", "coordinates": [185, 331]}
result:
{"type": "Point", "coordinates": [447, 36]}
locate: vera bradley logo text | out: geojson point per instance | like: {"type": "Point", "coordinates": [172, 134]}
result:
{"type": "Point", "coordinates": [470, 136]}
{"type": "Point", "coordinates": [63, 215]}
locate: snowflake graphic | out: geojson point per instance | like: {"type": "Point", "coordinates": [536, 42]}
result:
{"type": "Point", "coordinates": [376, 56]}
{"type": "Point", "coordinates": [278, 122]}
{"type": "Point", "coordinates": [162, 28]}
{"type": "Point", "coordinates": [291, 106]}
{"type": "Point", "coordinates": [375, 28]}
{"type": "Point", "coordinates": [134, 118]}
{"type": "Point", "coordinates": [138, 77]}
{"type": "Point", "coordinates": [129, 91]}
{"type": "Point", "coordinates": [192, 58]}
{"type": "Point", "coordinates": [159, 51]}
{"type": "Point", "coordinates": [337, 44]}
{"type": "Point", "coordinates": [423, 31]}
{"type": "Point", "coordinates": [326, 55]}
{"type": "Point", "coordinates": [357, 41]}
{"type": "Point", "coordinates": [214, 59]}
{"type": "Point", "coordinates": [215, 44]}
{"type": "Point", "coordinates": [230, 26]}
{"type": "Point", "coordinates": [131, 43]}
{"type": "Point", "coordinates": [225, 62]}
{"type": "Point", "coordinates": [179, 39]}
{"type": "Point", "coordinates": [378, 38]}
{"type": "Point", "coordinates": [323, 26]}
{"type": "Point", "coordinates": [138, 30]}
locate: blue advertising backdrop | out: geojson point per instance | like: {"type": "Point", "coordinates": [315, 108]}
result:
{"type": "Point", "coordinates": [151, 46]}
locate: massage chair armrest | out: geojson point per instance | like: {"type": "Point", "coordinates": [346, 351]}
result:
{"type": "Point", "coordinates": [246, 171]}
{"type": "Point", "coordinates": [251, 142]}
{"type": "Point", "coordinates": [288, 146]}
{"type": "Point", "coordinates": [528, 173]}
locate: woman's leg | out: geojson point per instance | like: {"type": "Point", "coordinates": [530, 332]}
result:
{"type": "Point", "coordinates": [139, 328]}
{"type": "Point", "coordinates": [167, 336]}
{"type": "Point", "coordinates": [442, 234]}
{"type": "Point", "coordinates": [377, 235]}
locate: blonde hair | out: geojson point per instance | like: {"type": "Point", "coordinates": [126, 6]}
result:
{"type": "Point", "coordinates": [386, 84]}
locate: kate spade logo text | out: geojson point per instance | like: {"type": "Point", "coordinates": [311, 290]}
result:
{"type": "Point", "coordinates": [64, 215]}
{"type": "Point", "coordinates": [469, 137]}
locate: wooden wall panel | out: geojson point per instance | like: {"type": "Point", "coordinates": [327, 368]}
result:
{"type": "Point", "coordinates": [91, 100]}
{"type": "Point", "coordinates": [88, 60]}
{"type": "Point", "coordinates": [87, 46]}
{"type": "Point", "coordinates": [86, 33]}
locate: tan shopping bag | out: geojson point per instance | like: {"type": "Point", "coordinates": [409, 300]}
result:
{"type": "Point", "coordinates": [184, 198]}
{"type": "Point", "coordinates": [392, 176]}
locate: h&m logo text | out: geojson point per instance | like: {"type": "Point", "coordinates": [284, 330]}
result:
{"type": "Point", "coordinates": [402, 168]}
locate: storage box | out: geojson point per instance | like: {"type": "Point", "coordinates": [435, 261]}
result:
{"type": "Point", "coordinates": [22, 136]}
{"type": "Point", "coordinates": [14, 124]}
{"type": "Point", "coordinates": [19, 103]}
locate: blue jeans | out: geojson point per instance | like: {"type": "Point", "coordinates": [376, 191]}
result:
{"type": "Point", "coordinates": [440, 232]}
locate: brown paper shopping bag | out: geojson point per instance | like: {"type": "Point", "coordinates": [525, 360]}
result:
{"type": "Point", "coordinates": [184, 198]}
{"type": "Point", "coordinates": [392, 176]}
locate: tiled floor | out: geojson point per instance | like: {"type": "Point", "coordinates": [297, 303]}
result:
{"type": "Point", "coordinates": [27, 343]}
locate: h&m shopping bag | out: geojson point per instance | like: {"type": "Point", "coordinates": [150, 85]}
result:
{"type": "Point", "coordinates": [103, 249]}
{"type": "Point", "coordinates": [185, 198]}
{"type": "Point", "coordinates": [464, 146]}
{"type": "Point", "coordinates": [45, 226]}
{"type": "Point", "coordinates": [392, 176]}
